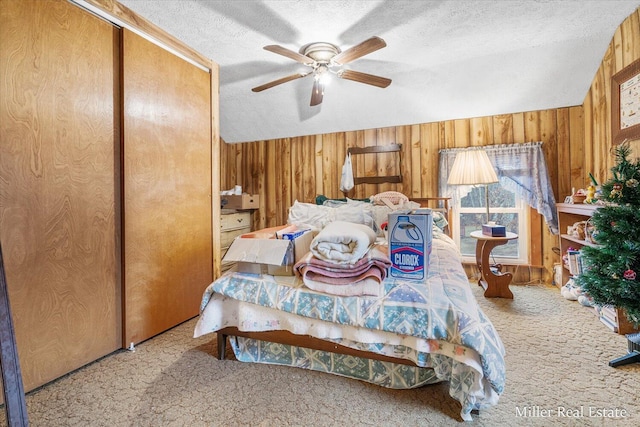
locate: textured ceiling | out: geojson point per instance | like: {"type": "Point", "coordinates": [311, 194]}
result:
{"type": "Point", "coordinates": [448, 59]}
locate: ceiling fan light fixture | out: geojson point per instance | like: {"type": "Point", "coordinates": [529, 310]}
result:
{"type": "Point", "coordinates": [321, 57]}
{"type": "Point", "coordinates": [321, 52]}
{"type": "Point", "coordinates": [322, 74]}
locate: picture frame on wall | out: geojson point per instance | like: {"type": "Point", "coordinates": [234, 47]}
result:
{"type": "Point", "coordinates": [625, 104]}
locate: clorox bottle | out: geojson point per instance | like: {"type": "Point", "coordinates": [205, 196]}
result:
{"type": "Point", "coordinates": [407, 250]}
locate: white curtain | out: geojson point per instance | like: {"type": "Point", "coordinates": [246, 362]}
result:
{"type": "Point", "coordinates": [521, 168]}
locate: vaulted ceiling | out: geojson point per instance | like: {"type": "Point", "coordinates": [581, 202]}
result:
{"type": "Point", "coordinates": [447, 59]}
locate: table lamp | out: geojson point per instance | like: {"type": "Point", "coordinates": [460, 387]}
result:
{"type": "Point", "coordinates": [473, 167]}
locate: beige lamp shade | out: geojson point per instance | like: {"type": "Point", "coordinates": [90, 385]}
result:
{"type": "Point", "coordinates": [472, 167]}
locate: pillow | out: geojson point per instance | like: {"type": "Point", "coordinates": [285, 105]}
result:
{"type": "Point", "coordinates": [324, 200]}
{"type": "Point", "coordinates": [381, 215]}
{"type": "Point", "coordinates": [390, 198]}
{"type": "Point", "coordinates": [317, 217]}
{"type": "Point", "coordinates": [439, 220]}
{"type": "Point", "coordinates": [381, 212]}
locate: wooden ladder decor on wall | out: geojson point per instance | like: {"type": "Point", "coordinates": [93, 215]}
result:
{"type": "Point", "coordinates": [378, 149]}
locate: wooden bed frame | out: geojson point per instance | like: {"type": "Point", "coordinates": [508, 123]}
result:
{"type": "Point", "coordinates": [306, 341]}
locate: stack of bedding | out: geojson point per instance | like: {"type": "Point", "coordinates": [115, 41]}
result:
{"type": "Point", "coordinates": [344, 261]}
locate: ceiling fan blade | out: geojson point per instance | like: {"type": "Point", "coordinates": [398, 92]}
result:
{"type": "Point", "coordinates": [317, 92]}
{"type": "Point", "coordinates": [289, 54]}
{"type": "Point", "coordinates": [279, 82]}
{"type": "Point", "coordinates": [360, 77]}
{"type": "Point", "coordinates": [359, 50]}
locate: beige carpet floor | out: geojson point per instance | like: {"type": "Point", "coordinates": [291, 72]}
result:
{"type": "Point", "coordinates": [557, 357]}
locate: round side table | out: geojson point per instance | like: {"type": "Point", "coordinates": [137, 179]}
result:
{"type": "Point", "coordinates": [496, 285]}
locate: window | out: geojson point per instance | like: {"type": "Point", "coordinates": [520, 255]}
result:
{"type": "Point", "coordinates": [505, 208]}
{"type": "Point", "coordinates": [523, 184]}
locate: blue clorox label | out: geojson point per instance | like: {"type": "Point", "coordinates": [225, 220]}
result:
{"type": "Point", "coordinates": [409, 260]}
{"type": "Point", "coordinates": [409, 245]}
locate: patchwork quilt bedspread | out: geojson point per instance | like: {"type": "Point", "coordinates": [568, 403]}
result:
{"type": "Point", "coordinates": [437, 324]}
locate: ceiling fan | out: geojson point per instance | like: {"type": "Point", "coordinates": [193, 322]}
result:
{"type": "Point", "coordinates": [323, 58]}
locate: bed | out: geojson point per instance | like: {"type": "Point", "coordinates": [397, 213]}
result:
{"type": "Point", "coordinates": [412, 334]}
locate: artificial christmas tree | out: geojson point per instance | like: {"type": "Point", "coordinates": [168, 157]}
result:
{"type": "Point", "coordinates": [611, 273]}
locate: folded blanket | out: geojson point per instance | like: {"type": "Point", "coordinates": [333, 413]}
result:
{"type": "Point", "coordinates": [364, 287]}
{"type": "Point", "coordinates": [362, 278]}
{"type": "Point", "coordinates": [342, 242]}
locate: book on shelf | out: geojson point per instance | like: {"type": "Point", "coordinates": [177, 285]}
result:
{"type": "Point", "coordinates": [580, 266]}
{"type": "Point", "coordinates": [575, 262]}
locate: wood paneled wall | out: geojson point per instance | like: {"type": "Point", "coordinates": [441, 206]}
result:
{"type": "Point", "coordinates": [576, 141]}
{"type": "Point", "coordinates": [596, 157]}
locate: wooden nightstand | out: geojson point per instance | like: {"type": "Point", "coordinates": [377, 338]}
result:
{"type": "Point", "coordinates": [496, 285]}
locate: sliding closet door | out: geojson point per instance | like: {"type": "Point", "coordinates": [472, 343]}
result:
{"type": "Point", "coordinates": [167, 239]}
{"type": "Point", "coordinates": [58, 132]}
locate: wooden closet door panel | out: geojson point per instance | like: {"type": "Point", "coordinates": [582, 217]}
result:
{"type": "Point", "coordinates": [167, 240]}
{"type": "Point", "coordinates": [58, 132]}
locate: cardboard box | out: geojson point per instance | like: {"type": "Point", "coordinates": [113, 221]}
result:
{"type": "Point", "coordinates": [410, 243]}
{"type": "Point", "coordinates": [494, 230]}
{"type": "Point", "coordinates": [243, 201]}
{"type": "Point", "coordinates": [260, 252]}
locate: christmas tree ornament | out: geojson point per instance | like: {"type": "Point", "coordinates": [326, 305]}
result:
{"type": "Point", "coordinates": [616, 192]}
